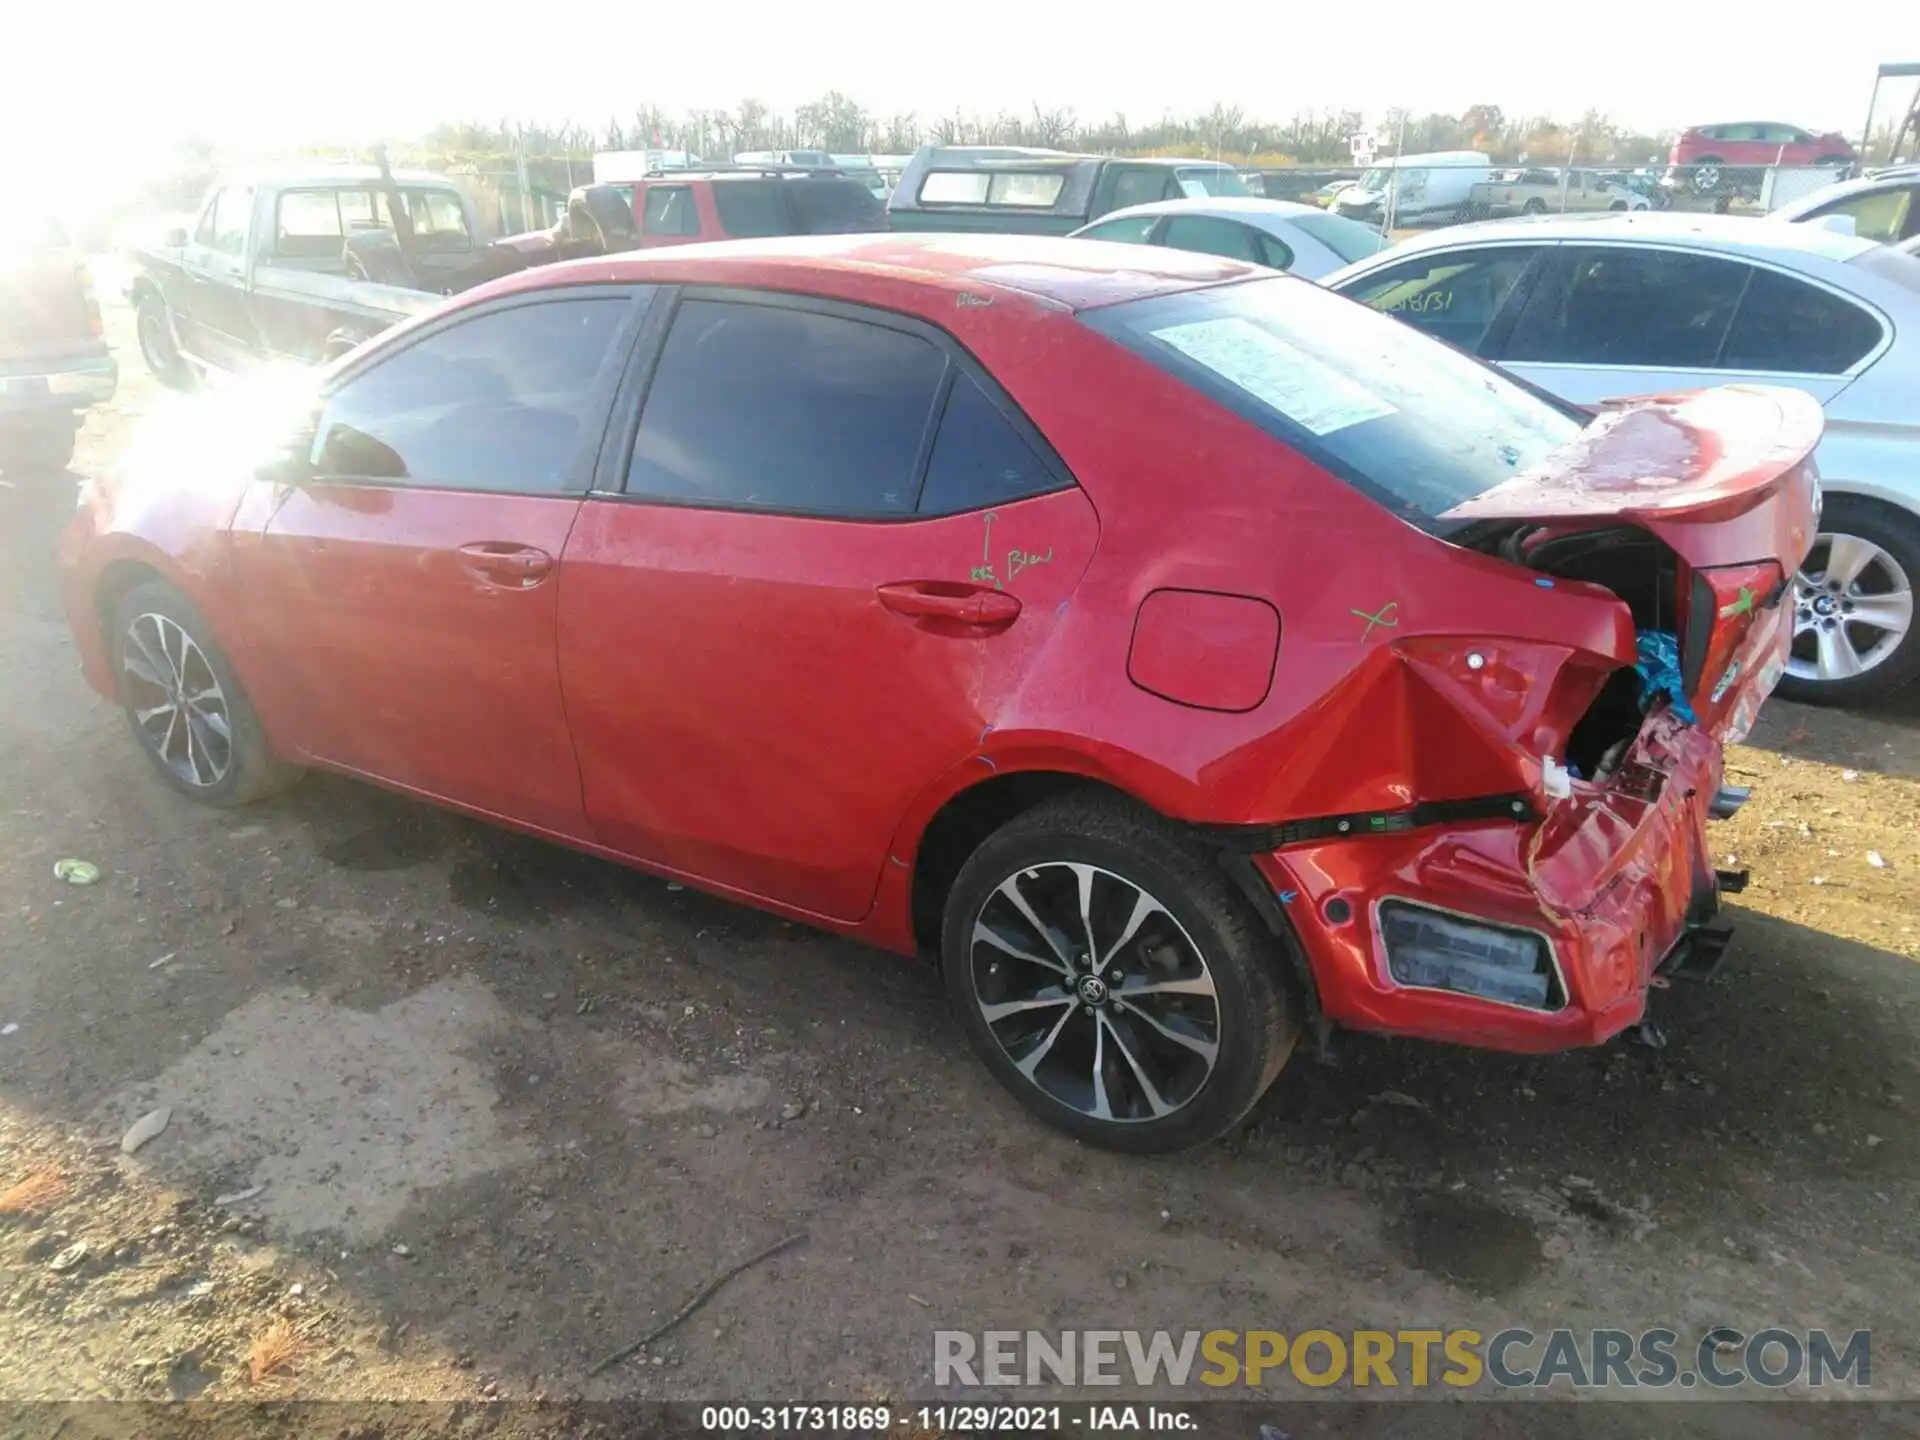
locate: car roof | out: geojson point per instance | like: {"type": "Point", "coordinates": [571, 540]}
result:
{"type": "Point", "coordinates": [1244, 207]}
{"type": "Point", "coordinates": [1652, 227]}
{"type": "Point", "coordinates": [1067, 274]}
{"type": "Point", "coordinates": [287, 176]}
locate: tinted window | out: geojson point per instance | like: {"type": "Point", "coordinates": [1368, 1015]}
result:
{"type": "Point", "coordinates": [835, 207]}
{"type": "Point", "coordinates": [1789, 326]}
{"type": "Point", "coordinates": [1142, 187]}
{"type": "Point", "coordinates": [1133, 230]}
{"type": "Point", "coordinates": [1415, 425]}
{"type": "Point", "coordinates": [670, 211]}
{"type": "Point", "coordinates": [782, 409]}
{"type": "Point", "coordinates": [979, 457]}
{"type": "Point", "coordinates": [1882, 215]}
{"type": "Point", "coordinates": [500, 402]}
{"type": "Point", "coordinates": [1212, 236]}
{"type": "Point", "coordinates": [1619, 306]}
{"type": "Point", "coordinates": [753, 207]}
{"type": "Point", "coordinates": [1348, 239]}
{"type": "Point", "coordinates": [1035, 188]}
{"type": "Point", "coordinates": [1453, 296]}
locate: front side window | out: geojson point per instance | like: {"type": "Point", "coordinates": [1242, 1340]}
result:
{"type": "Point", "coordinates": [501, 402]}
{"type": "Point", "coordinates": [307, 225]}
{"type": "Point", "coordinates": [1882, 215]}
{"type": "Point", "coordinates": [1453, 296]}
{"type": "Point", "coordinates": [224, 225]}
{"type": "Point", "coordinates": [1792, 328]}
{"type": "Point", "coordinates": [1415, 425]}
{"type": "Point", "coordinates": [1615, 305]}
{"type": "Point", "coordinates": [839, 409]}
{"type": "Point", "coordinates": [670, 211]}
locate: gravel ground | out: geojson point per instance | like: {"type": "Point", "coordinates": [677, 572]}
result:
{"type": "Point", "coordinates": [454, 1114]}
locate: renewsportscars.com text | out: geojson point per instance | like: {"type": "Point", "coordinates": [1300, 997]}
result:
{"type": "Point", "coordinates": [1657, 1358]}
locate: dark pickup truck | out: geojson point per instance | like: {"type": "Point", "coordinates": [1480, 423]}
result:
{"type": "Point", "coordinates": [266, 272]}
{"type": "Point", "coordinates": [53, 359]}
{"type": "Point", "coordinates": [302, 267]}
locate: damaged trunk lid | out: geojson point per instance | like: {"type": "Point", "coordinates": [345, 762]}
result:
{"type": "Point", "coordinates": [1724, 480]}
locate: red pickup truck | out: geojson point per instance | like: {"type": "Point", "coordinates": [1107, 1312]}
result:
{"type": "Point", "coordinates": [683, 207]}
{"type": "Point", "coordinates": [53, 356]}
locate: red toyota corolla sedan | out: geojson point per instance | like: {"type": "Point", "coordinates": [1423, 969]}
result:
{"type": "Point", "coordinates": [1185, 654]}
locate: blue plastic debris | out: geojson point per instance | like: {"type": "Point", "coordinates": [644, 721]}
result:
{"type": "Point", "coordinates": [1544, 583]}
{"type": "Point", "coordinates": [1659, 670]}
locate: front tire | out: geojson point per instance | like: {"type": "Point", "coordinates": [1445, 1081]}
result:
{"type": "Point", "coordinates": [1113, 980]}
{"type": "Point", "coordinates": [1854, 636]}
{"type": "Point", "coordinates": [184, 704]}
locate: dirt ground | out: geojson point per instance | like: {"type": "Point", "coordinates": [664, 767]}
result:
{"type": "Point", "coordinates": [455, 1114]}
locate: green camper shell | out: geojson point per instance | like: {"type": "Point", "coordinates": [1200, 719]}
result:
{"type": "Point", "coordinates": [1012, 189]}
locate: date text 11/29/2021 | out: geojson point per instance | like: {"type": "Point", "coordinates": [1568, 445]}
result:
{"type": "Point", "coordinates": [884, 1420]}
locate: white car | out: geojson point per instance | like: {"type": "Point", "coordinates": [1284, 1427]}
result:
{"type": "Point", "coordinates": [1279, 234]}
{"type": "Point", "coordinates": [1881, 205]}
{"type": "Point", "coordinates": [1601, 306]}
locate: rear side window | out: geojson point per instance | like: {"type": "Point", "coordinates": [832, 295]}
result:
{"type": "Point", "coordinates": [980, 458]}
{"type": "Point", "coordinates": [1414, 425]}
{"type": "Point", "coordinates": [753, 207]}
{"type": "Point", "coordinates": [834, 207]}
{"type": "Point", "coordinates": [1611, 305]}
{"type": "Point", "coordinates": [1791, 327]}
{"type": "Point", "coordinates": [501, 402]}
{"type": "Point", "coordinates": [1209, 235]}
{"type": "Point", "coordinates": [835, 412]}
{"type": "Point", "coordinates": [1452, 296]}
{"type": "Point", "coordinates": [1133, 230]}
{"type": "Point", "coordinates": [1348, 239]}
{"type": "Point", "coordinates": [670, 211]}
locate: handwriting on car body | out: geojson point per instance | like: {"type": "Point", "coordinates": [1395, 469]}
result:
{"type": "Point", "coordinates": [1017, 560]}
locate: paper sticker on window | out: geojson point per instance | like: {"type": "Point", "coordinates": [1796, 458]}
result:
{"type": "Point", "coordinates": [1305, 390]}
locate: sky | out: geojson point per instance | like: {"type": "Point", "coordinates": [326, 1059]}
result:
{"type": "Point", "coordinates": [123, 81]}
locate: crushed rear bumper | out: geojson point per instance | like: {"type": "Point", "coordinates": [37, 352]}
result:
{"type": "Point", "coordinates": [1615, 880]}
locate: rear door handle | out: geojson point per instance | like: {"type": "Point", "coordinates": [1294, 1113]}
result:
{"type": "Point", "coordinates": [972, 606]}
{"type": "Point", "coordinates": [506, 565]}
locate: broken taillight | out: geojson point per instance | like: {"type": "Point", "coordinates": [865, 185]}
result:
{"type": "Point", "coordinates": [1438, 950]}
{"type": "Point", "coordinates": [1723, 605]}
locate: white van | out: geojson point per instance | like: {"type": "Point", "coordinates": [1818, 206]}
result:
{"type": "Point", "coordinates": [1430, 189]}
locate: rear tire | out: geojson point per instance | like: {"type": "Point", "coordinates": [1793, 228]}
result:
{"type": "Point", "coordinates": [1823, 629]}
{"type": "Point", "coordinates": [154, 326]}
{"type": "Point", "coordinates": [41, 450]}
{"type": "Point", "coordinates": [179, 693]}
{"type": "Point", "coordinates": [1161, 1028]}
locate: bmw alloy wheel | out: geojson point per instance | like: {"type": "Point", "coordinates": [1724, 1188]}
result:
{"type": "Point", "coordinates": [1853, 605]}
{"type": "Point", "coordinates": [178, 707]}
{"type": "Point", "coordinates": [1095, 992]}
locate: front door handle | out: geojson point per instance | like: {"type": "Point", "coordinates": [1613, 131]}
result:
{"type": "Point", "coordinates": [972, 606]}
{"type": "Point", "coordinates": [506, 565]}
